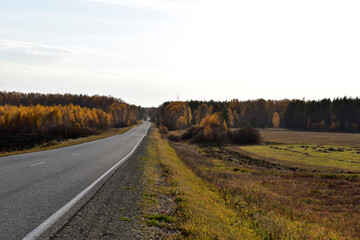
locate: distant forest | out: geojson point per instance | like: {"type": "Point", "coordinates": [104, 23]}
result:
{"type": "Point", "coordinates": [235, 114]}
{"type": "Point", "coordinates": [72, 115]}
{"type": "Point", "coordinates": [340, 114]}
{"type": "Point", "coordinates": [63, 115]}
{"type": "Point", "coordinates": [28, 99]}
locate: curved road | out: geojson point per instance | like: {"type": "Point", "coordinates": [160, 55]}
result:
{"type": "Point", "coordinates": [34, 186]}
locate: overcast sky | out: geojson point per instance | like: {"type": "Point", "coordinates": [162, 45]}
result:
{"type": "Point", "coordinates": [148, 51]}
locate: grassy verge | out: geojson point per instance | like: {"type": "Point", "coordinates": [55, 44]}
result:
{"type": "Point", "coordinates": [70, 142]}
{"type": "Point", "coordinates": [200, 210]}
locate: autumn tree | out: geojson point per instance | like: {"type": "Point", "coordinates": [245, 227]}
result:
{"type": "Point", "coordinates": [202, 112]}
{"type": "Point", "coordinates": [276, 120]}
{"type": "Point", "coordinates": [118, 112]}
{"type": "Point", "coordinates": [58, 121]}
{"type": "Point", "coordinates": [176, 115]}
{"type": "Point", "coordinates": [230, 121]}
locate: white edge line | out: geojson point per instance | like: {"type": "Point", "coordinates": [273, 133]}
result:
{"type": "Point", "coordinates": [59, 213]}
{"type": "Point", "coordinates": [32, 165]}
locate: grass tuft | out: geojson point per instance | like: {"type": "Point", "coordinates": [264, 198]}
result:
{"type": "Point", "coordinates": [125, 219]}
{"type": "Point", "coordinates": [160, 217]}
{"type": "Point", "coordinates": [129, 188]}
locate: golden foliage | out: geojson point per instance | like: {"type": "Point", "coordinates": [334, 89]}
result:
{"type": "Point", "coordinates": [61, 120]}
{"type": "Point", "coordinates": [276, 120]}
{"type": "Point", "coordinates": [202, 112]}
{"type": "Point", "coordinates": [177, 115]}
{"type": "Point", "coordinates": [213, 124]}
{"type": "Point", "coordinates": [230, 117]}
{"type": "Point", "coordinates": [123, 114]}
{"type": "Point", "coordinates": [213, 121]}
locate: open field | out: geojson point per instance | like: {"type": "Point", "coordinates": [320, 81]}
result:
{"type": "Point", "coordinates": [314, 138]}
{"type": "Point", "coordinates": [319, 151]}
{"type": "Point", "coordinates": [315, 157]}
{"type": "Point", "coordinates": [289, 187]}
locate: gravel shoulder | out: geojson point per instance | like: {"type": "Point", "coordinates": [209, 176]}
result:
{"type": "Point", "coordinates": [115, 211]}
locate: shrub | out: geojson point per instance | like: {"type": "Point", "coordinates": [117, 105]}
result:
{"type": "Point", "coordinates": [220, 136]}
{"type": "Point", "coordinates": [198, 137]}
{"type": "Point", "coordinates": [190, 133]}
{"type": "Point", "coordinates": [246, 135]}
{"type": "Point", "coordinates": [206, 135]}
{"type": "Point", "coordinates": [163, 129]}
{"type": "Point", "coordinates": [174, 138]}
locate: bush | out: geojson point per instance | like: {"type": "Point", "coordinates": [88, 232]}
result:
{"type": "Point", "coordinates": [174, 138]}
{"type": "Point", "coordinates": [190, 133]}
{"type": "Point", "coordinates": [216, 135]}
{"type": "Point", "coordinates": [246, 135]}
{"type": "Point", "coordinates": [198, 137]}
{"type": "Point", "coordinates": [219, 135]}
{"type": "Point", "coordinates": [163, 130]}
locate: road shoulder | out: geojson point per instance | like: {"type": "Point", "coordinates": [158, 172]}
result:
{"type": "Point", "coordinates": [114, 212]}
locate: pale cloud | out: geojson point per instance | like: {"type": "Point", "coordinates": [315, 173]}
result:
{"type": "Point", "coordinates": [158, 5]}
{"type": "Point", "coordinates": [34, 53]}
{"type": "Point", "coordinates": [148, 51]}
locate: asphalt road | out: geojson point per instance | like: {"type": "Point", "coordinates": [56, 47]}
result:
{"type": "Point", "coordinates": [34, 186]}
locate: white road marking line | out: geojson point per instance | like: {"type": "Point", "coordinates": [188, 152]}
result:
{"type": "Point", "coordinates": [35, 164]}
{"type": "Point", "coordinates": [75, 154]}
{"type": "Point", "coordinates": [34, 234]}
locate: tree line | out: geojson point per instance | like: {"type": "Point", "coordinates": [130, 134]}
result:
{"type": "Point", "coordinates": [235, 113]}
{"type": "Point", "coordinates": [28, 99]}
{"type": "Point", "coordinates": [63, 121]}
{"type": "Point", "coordinates": [208, 125]}
{"type": "Point", "coordinates": [340, 114]}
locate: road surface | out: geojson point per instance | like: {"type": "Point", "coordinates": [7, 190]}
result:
{"type": "Point", "coordinates": [34, 186]}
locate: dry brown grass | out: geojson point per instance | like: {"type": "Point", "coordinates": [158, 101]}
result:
{"type": "Point", "coordinates": [201, 212]}
{"type": "Point", "coordinates": [283, 204]}
{"type": "Point", "coordinates": [303, 137]}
